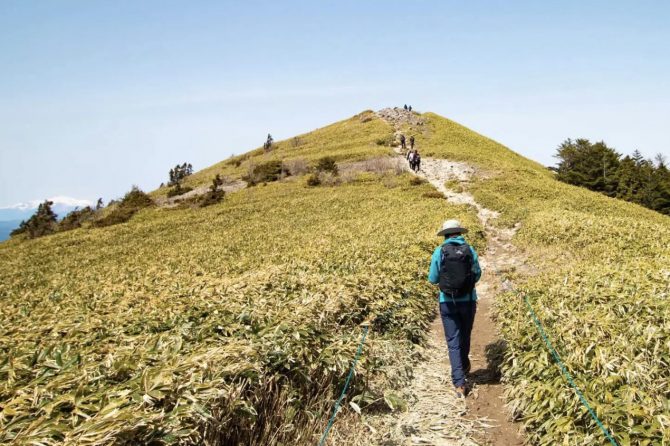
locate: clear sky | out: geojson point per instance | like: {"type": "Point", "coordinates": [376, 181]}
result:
{"type": "Point", "coordinates": [98, 95]}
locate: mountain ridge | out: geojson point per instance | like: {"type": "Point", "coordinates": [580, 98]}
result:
{"type": "Point", "coordinates": [236, 323]}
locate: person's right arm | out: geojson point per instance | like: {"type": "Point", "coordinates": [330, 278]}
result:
{"type": "Point", "coordinates": [434, 272]}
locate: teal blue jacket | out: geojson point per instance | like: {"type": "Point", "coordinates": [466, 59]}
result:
{"type": "Point", "coordinates": [434, 273]}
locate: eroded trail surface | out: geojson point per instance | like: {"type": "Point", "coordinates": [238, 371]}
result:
{"type": "Point", "coordinates": [435, 415]}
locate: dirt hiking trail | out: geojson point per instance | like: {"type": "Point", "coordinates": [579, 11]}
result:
{"type": "Point", "coordinates": [435, 416]}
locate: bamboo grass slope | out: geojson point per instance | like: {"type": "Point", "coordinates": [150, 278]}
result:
{"type": "Point", "coordinates": [602, 291]}
{"type": "Point", "coordinates": [236, 324]}
{"type": "Point", "coordinates": [233, 324]}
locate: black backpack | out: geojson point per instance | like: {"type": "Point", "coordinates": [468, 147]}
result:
{"type": "Point", "coordinates": [456, 276]}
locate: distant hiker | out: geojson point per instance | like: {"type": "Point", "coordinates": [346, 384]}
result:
{"type": "Point", "coordinates": [411, 142]}
{"type": "Point", "coordinates": [402, 142]}
{"type": "Point", "coordinates": [455, 268]}
{"type": "Point", "coordinates": [410, 158]}
{"type": "Point", "coordinates": [410, 108]}
{"type": "Point", "coordinates": [405, 107]}
{"type": "Point", "coordinates": [268, 143]}
{"type": "Point", "coordinates": [417, 161]}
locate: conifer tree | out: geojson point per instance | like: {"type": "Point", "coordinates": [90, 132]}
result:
{"type": "Point", "coordinates": [600, 168]}
{"type": "Point", "coordinates": [43, 222]}
{"type": "Point", "coordinates": [593, 166]}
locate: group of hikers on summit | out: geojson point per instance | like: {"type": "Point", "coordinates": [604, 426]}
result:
{"type": "Point", "coordinates": [412, 155]}
{"type": "Point", "coordinates": [454, 267]}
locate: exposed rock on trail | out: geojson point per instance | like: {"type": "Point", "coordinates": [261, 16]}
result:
{"type": "Point", "coordinates": [396, 116]}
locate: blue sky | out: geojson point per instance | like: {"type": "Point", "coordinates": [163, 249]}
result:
{"type": "Point", "coordinates": [98, 95]}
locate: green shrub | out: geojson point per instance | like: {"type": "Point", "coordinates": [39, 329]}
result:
{"type": "Point", "coordinates": [214, 195]}
{"type": "Point", "coordinates": [178, 190]}
{"type": "Point", "coordinates": [134, 200]}
{"type": "Point", "coordinates": [114, 217]}
{"type": "Point", "coordinates": [76, 218]}
{"type": "Point", "coordinates": [433, 194]}
{"type": "Point", "coordinates": [265, 172]}
{"type": "Point", "coordinates": [327, 164]}
{"type": "Point", "coordinates": [416, 181]}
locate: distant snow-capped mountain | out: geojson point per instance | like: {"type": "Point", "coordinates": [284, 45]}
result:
{"type": "Point", "coordinates": [61, 206]}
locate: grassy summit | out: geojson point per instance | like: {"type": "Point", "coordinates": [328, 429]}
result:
{"type": "Point", "coordinates": [236, 323]}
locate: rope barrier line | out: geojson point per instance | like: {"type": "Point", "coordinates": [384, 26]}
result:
{"type": "Point", "coordinates": [336, 407]}
{"type": "Point", "coordinates": [567, 374]}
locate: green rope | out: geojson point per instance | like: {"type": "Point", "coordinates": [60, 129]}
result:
{"type": "Point", "coordinates": [567, 375]}
{"type": "Point", "coordinates": [336, 408]}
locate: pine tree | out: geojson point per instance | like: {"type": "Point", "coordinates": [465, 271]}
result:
{"type": "Point", "coordinates": [661, 200]}
{"type": "Point", "coordinates": [43, 222]}
{"type": "Point", "coordinates": [588, 165]}
{"type": "Point", "coordinates": [630, 185]}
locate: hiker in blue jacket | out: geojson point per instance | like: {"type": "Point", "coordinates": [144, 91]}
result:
{"type": "Point", "coordinates": [455, 268]}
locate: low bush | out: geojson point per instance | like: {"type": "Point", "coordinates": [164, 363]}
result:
{"type": "Point", "coordinates": [417, 181]}
{"type": "Point", "coordinates": [178, 190]}
{"type": "Point", "coordinates": [136, 198]}
{"type": "Point", "coordinates": [114, 217]}
{"type": "Point", "coordinates": [214, 195]}
{"type": "Point", "coordinates": [327, 164]}
{"type": "Point", "coordinates": [76, 218]}
{"type": "Point", "coordinates": [265, 172]}
{"type": "Point", "coordinates": [433, 194]}
{"type": "Point", "coordinates": [133, 201]}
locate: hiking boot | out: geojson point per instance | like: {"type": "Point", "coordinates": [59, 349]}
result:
{"type": "Point", "coordinates": [467, 369]}
{"type": "Point", "coordinates": [460, 392]}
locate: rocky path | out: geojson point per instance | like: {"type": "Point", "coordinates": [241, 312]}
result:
{"type": "Point", "coordinates": [435, 415]}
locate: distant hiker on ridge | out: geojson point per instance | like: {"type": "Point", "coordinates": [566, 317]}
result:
{"type": "Point", "coordinates": [405, 107]}
{"type": "Point", "coordinates": [417, 161]}
{"type": "Point", "coordinates": [268, 143]}
{"type": "Point", "coordinates": [455, 268]}
{"type": "Point", "coordinates": [402, 142]}
{"type": "Point", "coordinates": [411, 142]}
{"type": "Point", "coordinates": [410, 108]}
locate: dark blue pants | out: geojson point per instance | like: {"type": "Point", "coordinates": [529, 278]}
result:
{"type": "Point", "coordinates": [457, 319]}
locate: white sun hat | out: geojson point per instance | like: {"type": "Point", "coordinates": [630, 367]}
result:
{"type": "Point", "coordinates": [452, 227]}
